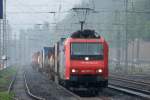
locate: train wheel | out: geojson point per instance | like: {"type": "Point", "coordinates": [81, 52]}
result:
{"type": "Point", "coordinates": [61, 82]}
{"type": "Point", "coordinates": [66, 85]}
{"type": "Point", "coordinates": [94, 92]}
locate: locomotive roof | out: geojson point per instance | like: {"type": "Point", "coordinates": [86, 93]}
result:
{"type": "Point", "coordinates": [85, 34]}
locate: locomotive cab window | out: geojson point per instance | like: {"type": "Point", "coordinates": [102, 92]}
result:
{"type": "Point", "coordinates": [92, 50]}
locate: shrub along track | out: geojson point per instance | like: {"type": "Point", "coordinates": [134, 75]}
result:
{"type": "Point", "coordinates": [7, 76]}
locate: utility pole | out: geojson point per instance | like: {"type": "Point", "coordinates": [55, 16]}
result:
{"type": "Point", "coordinates": [126, 37]}
{"type": "Point", "coordinates": [4, 35]}
{"type": "Point", "coordinates": [133, 45]}
{"type": "Point", "coordinates": [1, 32]}
{"type": "Point", "coordinates": [138, 50]}
{"type": "Point", "coordinates": [118, 38]}
{"type": "Point", "coordinates": [15, 49]}
{"type": "Point", "coordinates": [0, 39]}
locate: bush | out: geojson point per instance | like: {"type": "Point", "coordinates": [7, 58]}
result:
{"type": "Point", "coordinates": [6, 96]}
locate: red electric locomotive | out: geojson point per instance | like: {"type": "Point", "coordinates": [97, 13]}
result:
{"type": "Point", "coordinates": [81, 61]}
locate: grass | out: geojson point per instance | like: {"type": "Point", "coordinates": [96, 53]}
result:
{"type": "Point", "coordinates": [5, 78]}
{"type": "Point", "coordinates": [6, 96]}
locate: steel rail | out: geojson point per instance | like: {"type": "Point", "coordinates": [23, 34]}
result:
{"type": "Point", "coordinates": [11, 85]}
{"type": "Point", "coordinates": [131, 81]}
{"type": "Point", "coordinates": [29, 92]}
{"type": "Point", "coordinates": [76, 96]}
{"type": "Point", "coordinates": [12, 82]}
{"type": "Point", "coordinates": [130, 90]}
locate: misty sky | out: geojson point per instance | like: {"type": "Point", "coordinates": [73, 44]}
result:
{"type": "Point", "coordinates": [25, 13]}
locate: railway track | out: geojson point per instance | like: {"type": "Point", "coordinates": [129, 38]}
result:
{"type": "Point", "coordinates": [111, 94]}
{"type": "Point", "coordinates": [26, 90]}
{"type": "Point", "coordinates": [48, 90]}
{"type": "Point", "coordinates": [29, 91]}
{"type": "Point", "coordinates": [139, 88]}
{"type": "Point", "coordinates": [20, 87]}
{"type": "Point", "coordinates": [136, 77]}
{"type": "Point", "coordinates": [114, 77]}
{"type": "Point", "coordinates": [12, 83]}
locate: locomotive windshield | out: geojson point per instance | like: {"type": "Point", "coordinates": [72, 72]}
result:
{"type": "Point", "coordinates": [86, 49]}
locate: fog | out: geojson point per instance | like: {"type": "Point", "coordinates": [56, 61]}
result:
{"type": "Point", "coordinates": [125, 25]}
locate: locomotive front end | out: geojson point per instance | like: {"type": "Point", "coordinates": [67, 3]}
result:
{"type": "Point", "coordinates": [87, 62]}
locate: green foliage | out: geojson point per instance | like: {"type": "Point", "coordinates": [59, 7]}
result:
{"type": "Point", "coordinates": [6, 96]}
{"type": "Point", "coordinates": [5, 77]}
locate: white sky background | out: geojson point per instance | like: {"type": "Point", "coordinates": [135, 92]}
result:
{"type": "Point", "coordinates": [26, 13]}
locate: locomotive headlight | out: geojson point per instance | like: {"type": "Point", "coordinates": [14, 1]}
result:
{"type": "Point", "coordinates": [86, 58]}
{"type": "Point", "coordinates": [73, 70]}
{"type": "Point", "coordinates": [99, 70]}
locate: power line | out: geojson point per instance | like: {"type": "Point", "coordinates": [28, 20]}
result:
{"type": "Point", "coordinates": [36, 12]}
{"type": "Point", "coordinates": [126, 37]}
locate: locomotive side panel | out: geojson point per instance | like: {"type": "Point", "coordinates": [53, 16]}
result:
{"type": "Point", "coordinates": [106, 51]}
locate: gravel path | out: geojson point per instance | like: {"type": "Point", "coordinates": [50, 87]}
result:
{"type": "Point", "coordinates": [41, 86]}
{"type": "Point", "coordinates": [19, 87]}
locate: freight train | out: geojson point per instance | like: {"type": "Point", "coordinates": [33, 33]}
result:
{"type": "Point", "coordinates": [41, 59]}
{"type": "Point", "coordinates": [35, 60]}
{"type": "Point", "coordinates": [80, 60]}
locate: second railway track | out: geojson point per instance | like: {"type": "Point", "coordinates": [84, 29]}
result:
{"type": "Point", "coordinates": [134, 87]}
